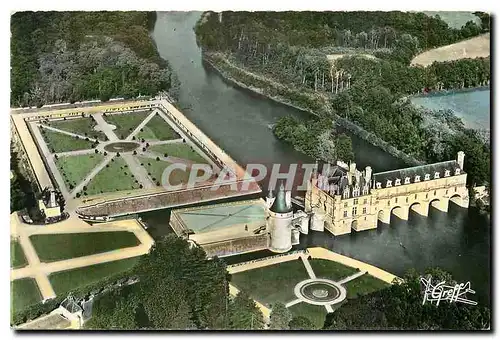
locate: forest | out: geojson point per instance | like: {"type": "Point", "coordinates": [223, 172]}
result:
{"type": "Point", "coordinates": [285, 54]}
{"type": "Point", "coordinates": [75, 56]}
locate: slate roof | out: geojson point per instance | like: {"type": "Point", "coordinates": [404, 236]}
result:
{"type": "Point", "coordinates": [420, 170]}
{"type": "Point", "coordinates": [279, 205]}
{"type": "Point", "coordinates": [50, 321]}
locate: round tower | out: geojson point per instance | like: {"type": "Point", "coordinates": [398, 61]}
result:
{"type": "Point", "coordinates": [280, 223]}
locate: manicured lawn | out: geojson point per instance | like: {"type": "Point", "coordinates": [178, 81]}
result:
{"type": "Point", "coordinates": [331, 270]}
{"type": "Point", "coordinates": [75, 168]}
{"type": "Point", "coordinates": [156, 168]}
{"type": "Point", "coordinates": [179, 150]}
{"type": "Point", "coordinates": [66, 281]}
{"type": "Point", "coordinates": [157, 129]}
{"type": "Point", "coordinates": [114, 177]}
{"type": "Point", "coordinates": [126, 122]}
{"type": "Point", "coordinates": [57, 247]}
{"type": "Point", "coordinates": [17, 258]}
{"type": "Point", "coordinates": [59, 142]}
{"type": "Point", "coordinates": [363, 285]}
{"type": "Point", "coordinates": [82, 126]}
{"type": "Point", "coordinates": [272, 283]}
{"type": "Point", "coordinates": [24, 293]}
{"type": "Point", "coordinates": [316, 314]}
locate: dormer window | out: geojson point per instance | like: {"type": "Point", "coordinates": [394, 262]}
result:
{"type": "Point", "coordinates": [365, 190]}
{"type": "Point", "coordinates": [407, 180]}
{"type": "Point", "coordinates": [436, 175]}
{"type": "Point", "coordinates": [389, 183]}
{"type": "Point", "coordinates": [346, 193]}
{"type": "Point", "coordinates": [398, 182]}
{"type": "Point", "coordinates": [446, 173]}
{"type": "Point", "coordinates": [457, 171]}
{"type": "Point", "coordinates": [427, 177]}
{"type": "Point", "coordinates": [379, 185]}
{"type": "Point", "coordinates": [417, 178]}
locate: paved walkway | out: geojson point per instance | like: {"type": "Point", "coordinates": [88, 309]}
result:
{"type": "Point", "coordinates": [161, 142]}
{"type": "Point", "coordinates": [91, 175]}
{"type": "Point", "coordinates": [352, 277]}
{"type": "Point", "coordinates": [72, 134]}
{"type": "Point", "coordinates": [309, 269]}
{"type": "Point", "coordinates": [138, 171]}
{"type": "Point", "coordinates": [40, 270]}
{"type": "Point", "coordinates": [104, 126]}
{"type": "Point", "coordinates": [140, 126]}
{"type": "Point", "coordinates": [75, 152]}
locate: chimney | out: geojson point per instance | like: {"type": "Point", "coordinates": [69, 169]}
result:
{"type": "Point", "coordinates": [352, 168]}
{"type": "Point", "coordinates": [288, 199]}
{"type": "Point", "coordinates": [460, 159]}
{"type": "Point", "coordinates": [368, 173]}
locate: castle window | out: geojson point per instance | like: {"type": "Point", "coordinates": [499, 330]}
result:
{"type": "Point", "coordinates": [407, 180]}
{"type": "Point", "coordinates": [355, 201]}
{"type": "Point", "coordinates": [417, 178]}
{"type": "Point", "coordinates": [415, 196]}
{"type": "Point", "coordinates": [434, 192]}
{"type": "Point", "coordinates": [365, 190]}
{"type": "Point", "coordinates": [346, 193]}
{"type": "Point", "coordinates": [446, 192]}
{"type": "Point", "coordinates": [436, 175]}
{"type": "Point", "coordinates": [426, 195]}
{"type": "Point", "coordinates": [396, 200]}
{"type": "Point", "coordinates": [345, 205]}
{"type": "Point", "coordinates": [406, 199]}
{"type": "Point", "coordinates": [364, 211]}
{"type": "Point", "coordinates": [398, 181]}
{"type": "Point", "coordinates": [345, 213]}
{"type": "Point", "coordinates": [354, 211]}
{"type": "Point", "coordinates": [446, 173]}
{"type": "Point", "coordinates": [427, 177]}
{"type": "Point", "coordinates": [379, 185]}
{"type": "Point", "coordinates": [457, 171]}
{"type": "Point", "coordinates": [365, 201]}
{"type": "Point", "coordinates": [389, 183]}
{"type": "Point", "coordinates": [455, 189]}
{"type": "Point", "coordinates": [389, 202]}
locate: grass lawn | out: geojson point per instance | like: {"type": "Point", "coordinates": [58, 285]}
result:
{"type": "Point", "coordinates": [17, 258]}
{"type": "Point", "coordinates": [114, 177]}
{"type": "Point", "coordinates": [82, 126]}
{"type": "Point", "coordinates": [66, 281]}
{"type": "Point", "coordinates": [363, 285]}
{"type": "Point", "coordinates": [56, 247]}
{"type": "Point", "coordinates": [157, 129]}
{"type": "Point", "coordinates": [24, 293]}
{"type": "Point", "coordinates": [326, 269]}
{"type": "Point", "coordinates": [74, 168]}
{"type": "Point", "coordinates": [126, 122]}
{"type": "Point", "coordinates": [156, 168]}
{"type": "Point", "coordinates": [316, 314]}
{"type": "Point", "coordinates": [272, 283]}
{"type": "Point", "coordinates": [59, 142]}
{"type": "Point", "coordinates": [179, 150]}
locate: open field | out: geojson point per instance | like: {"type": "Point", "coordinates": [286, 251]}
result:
{"type": "Point", "coordinates": [126, 122]}
{"type": "Point", "coordinates": [272, 283]}
{"type": "Point", "coordinates": [179, 150]}
{"type": "Point", "coordinates": [24, 293]}
{"type": "Point", "coordinates": [59, 142]}
{"type": "Point", "coordinates": [17, 258]}
{"type": "Point", "coordinates": [55, 247]}
{"type": "Point", "coordinates": [331, 270]}
{"type": "Point", "coordinates": [316, 314]}
{"type": "Point", "coordinates": [75, 168]}
{"type": "Point", "coordinates": [477, 47]}
{"type": "Point", "coordinates": [365, 284]}
{"type": "Point", "coordinates": [64, 282]}
{"type": "Point", "coordinates": [82, 126]}
{"type": "Point", "coordinates": [114, 177]}
{"type": "Point", "coordinates": [157, 129]}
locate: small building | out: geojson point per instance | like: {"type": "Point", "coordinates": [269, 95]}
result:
{"type": "Point", "coordinates": [48, 205]}
{"type": "Point", "coordinates": [67, 316]}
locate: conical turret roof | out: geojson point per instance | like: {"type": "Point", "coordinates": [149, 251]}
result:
{"type": "Point", "coordinates": [279, 204]}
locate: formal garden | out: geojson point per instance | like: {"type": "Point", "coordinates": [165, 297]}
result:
{"type": "Point", "coordinates": [24, 292]}
{"type": "Point", "coordinates": [17, 258]}
{"type": "Point", "coordinates": [277, 284]}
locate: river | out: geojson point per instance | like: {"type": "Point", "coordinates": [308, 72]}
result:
{"type": "Point", "coordinates": [238, 121]}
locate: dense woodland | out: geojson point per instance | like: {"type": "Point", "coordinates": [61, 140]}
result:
{"type": "Point", "coordinates": [75, 56]}
{"type": "Point", "coordinates": [286, 55]}
{"type": "Point", "coordinates": [178, 289]}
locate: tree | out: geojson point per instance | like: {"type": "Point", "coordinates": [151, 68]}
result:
{"type": "Point", "coordinates": [244, 313]}
{"type": "Point", "coordinates": [301, 323]}
{"type": "Point", "coordinates": [344, 148]}
{"type": "Point", "coordinates": [280, 317]}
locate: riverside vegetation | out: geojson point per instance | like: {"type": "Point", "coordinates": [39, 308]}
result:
{"type": "Point", "coordinates": [285, 56]}
{"type": "Point", "coordinates": [75, 56]}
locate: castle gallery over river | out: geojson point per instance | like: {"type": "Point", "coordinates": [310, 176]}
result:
{"type": "Point", "coordinates": [339, 198]}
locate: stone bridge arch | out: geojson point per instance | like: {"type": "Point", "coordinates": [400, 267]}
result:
{"type": "Point", "coordinates": [420, 208]}
{"type": "Point", "coordinates": [400, 212]}
{"type": "Point", "coordinates": [354, 225]}
{"type": "Point", "coordinates": [440, 204]}
{"type": "Point", "coordinates": [460, 201]}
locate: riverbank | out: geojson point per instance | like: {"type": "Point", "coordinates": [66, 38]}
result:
{"type": "Point", "coordinates": [317, 104]}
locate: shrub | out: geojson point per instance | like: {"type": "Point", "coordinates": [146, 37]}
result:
{"type": "Point", "coordinates": [135, 152]}
{"type": "Point", "coordinates": [84, 188]}
{"type": "Point", "coordinates": [140, 186]}
{"type": "Point", "coordinates": [158, 183]}
{"type": "Point", "coordinates": [157, 158]}
{"type": "Point", "coordinates": [144, 149]}
{"type": "Point", "coordinates": [78, 194]}
{"type": "Point", "coordinates": [117, 154]}
{"type": "Point", "coordinates": [105, 153]}
{"type": "Point", "coordinates": [165, 155]}
{"type": "Point", "coordinates": [96, 151]}
{"type": "Point", "coordinates": [147, 145]}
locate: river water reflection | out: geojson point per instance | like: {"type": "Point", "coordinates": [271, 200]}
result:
{"type": "Point", "coordinates": [238, 121]}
